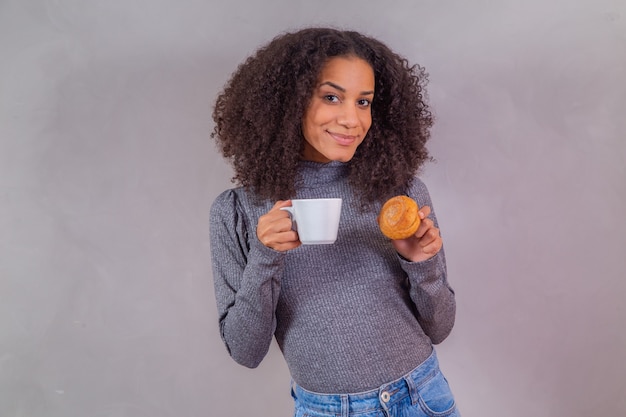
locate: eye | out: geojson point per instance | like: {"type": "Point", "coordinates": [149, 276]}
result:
{"type": "Point", "coordinates": [364, 102]}
{"type": "Point", "coordinates": [331, 98]}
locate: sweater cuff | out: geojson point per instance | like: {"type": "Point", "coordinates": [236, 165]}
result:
{"type": "Point", "coordinates": [428, 272]}
{"type": "Point", "coordinates": [264, 254]}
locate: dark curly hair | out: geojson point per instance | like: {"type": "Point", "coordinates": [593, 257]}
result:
{"type": "Point", "coordinates": [258, 115]}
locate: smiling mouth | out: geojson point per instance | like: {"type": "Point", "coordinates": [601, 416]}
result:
{"type": "Point", "coordinates": [343, 139]}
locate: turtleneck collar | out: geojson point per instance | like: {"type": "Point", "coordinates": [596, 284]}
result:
{"type": "Point", "coordinates": [318, 173]}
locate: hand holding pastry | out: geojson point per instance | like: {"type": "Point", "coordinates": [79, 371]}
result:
{"type": "Point", "coordinates": [412, 233]}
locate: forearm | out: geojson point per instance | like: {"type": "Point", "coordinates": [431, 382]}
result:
{"type": "Point", "coordinates": [247, 304]}
{"type": "Point", "coordinates": [433, 297]}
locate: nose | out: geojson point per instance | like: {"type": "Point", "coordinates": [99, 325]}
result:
{"type": "Point", "coordinates": [348, 116]}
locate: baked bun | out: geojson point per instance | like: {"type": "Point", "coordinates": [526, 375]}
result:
{"type": "Point", "coordinates": [399, 217]}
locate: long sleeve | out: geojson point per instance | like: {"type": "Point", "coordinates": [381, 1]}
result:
{"type": "Point", "coordinates": [433, 297]}
{"type": "Point", "coordinates": [247, 281]}
{"type": "Point", "coordinates": [429, 288]}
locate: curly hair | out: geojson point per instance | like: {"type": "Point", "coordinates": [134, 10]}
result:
{"type": "Point", "coordinates": [258, 115]}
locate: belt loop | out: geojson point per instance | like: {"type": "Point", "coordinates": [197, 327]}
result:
{"type": "Point", "coordinates": [412, 389]}
{"type": "Point", "coordinates": [345, 405]}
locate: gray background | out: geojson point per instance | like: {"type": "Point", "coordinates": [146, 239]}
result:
{"type": "Point", "coordinates": [107, 174]}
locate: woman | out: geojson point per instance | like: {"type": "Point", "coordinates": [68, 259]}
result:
{"type": "Point", "coordinates": [326, 113]}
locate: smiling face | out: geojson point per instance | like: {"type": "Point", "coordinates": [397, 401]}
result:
{"type": "Point", "coordinates": [339, 113]}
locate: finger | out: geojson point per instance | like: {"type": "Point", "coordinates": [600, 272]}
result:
{"type": "Point", "coordinates": [283, 247]}
{"type": "Point", "coordinates": [282, 240]}
{"type": "Point", "coordinates": [280, 204]}
{"type": "Point", "coordinates": [424, 212]}
{"type": "Point", "coordinates": [433, 246]}
{"type": "Point", "coordinates": [288, 237]}
{"type": "Point", "coordinates": [275, 213]}
{"type": "Point", "coordinates": [282, 224]}
{"type": "Point", "coordinates": [429, 237]}
{"type": "Point", "coordinates": [274, 226]}
{"type": "Point", "coordinates": [424, 227]}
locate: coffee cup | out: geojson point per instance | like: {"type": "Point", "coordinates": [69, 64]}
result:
{"type": "Point", "coordinates": [316, 220]}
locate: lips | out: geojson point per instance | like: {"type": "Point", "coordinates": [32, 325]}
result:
{"type": "Point", "coordinates": [343, 139]}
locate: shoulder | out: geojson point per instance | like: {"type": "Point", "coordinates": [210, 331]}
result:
{"type": "Point", "coordinates": [226, 204]}
{"type": "Point", "coordinates": [417, 186]}
{"type": "Point", "coordinates": [419, 192]}
{"type": "Point", "coordinates": [224, 201]}
{"type": "Point", "coordinates": [236, 203]}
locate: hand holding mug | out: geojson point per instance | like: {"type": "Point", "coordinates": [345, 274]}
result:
{"type": "Point", "coordinates": [274, 228]}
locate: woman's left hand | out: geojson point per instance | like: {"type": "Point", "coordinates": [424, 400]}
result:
{"type": "Point", "coordinates": [424, 244]}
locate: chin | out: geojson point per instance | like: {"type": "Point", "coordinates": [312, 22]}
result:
{"type": "Point", "coordinates": [342, 157]}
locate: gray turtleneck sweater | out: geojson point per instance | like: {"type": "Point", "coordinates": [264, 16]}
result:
{"type": "Point", "coordinates": [349, 316]}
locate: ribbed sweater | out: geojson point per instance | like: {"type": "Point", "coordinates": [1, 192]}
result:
{"type": "Point", "coordinates": [348, 316]}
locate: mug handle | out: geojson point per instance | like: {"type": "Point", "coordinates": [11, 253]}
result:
{"type": "Point", "coordinates": [290, 210]}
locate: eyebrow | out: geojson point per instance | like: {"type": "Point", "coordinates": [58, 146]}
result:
{"type": "Point", "coordinates": [343, 90]}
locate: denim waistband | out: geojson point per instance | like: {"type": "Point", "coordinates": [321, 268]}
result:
{"type": "Point", "coordinates": [383, 397]}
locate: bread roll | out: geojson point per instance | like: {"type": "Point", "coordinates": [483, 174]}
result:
{"type": "Point", "coordinates": [399, 217]}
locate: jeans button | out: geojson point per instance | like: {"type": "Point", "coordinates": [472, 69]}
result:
{"type": "Point", "coordinates": [384, 396]}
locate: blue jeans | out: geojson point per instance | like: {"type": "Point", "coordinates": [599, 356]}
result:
{"type": "Point", "coordinates": [423, 392]}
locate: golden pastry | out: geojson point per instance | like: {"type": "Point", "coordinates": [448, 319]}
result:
{"type": "Point", "coordinates": [399, 217]}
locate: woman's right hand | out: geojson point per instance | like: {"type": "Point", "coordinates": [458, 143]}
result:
{"type": "Point", "coordinates": [274, 229]}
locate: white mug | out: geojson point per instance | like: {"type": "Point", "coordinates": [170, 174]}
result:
{"type": "Point", "coordinates": [316, 220]}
